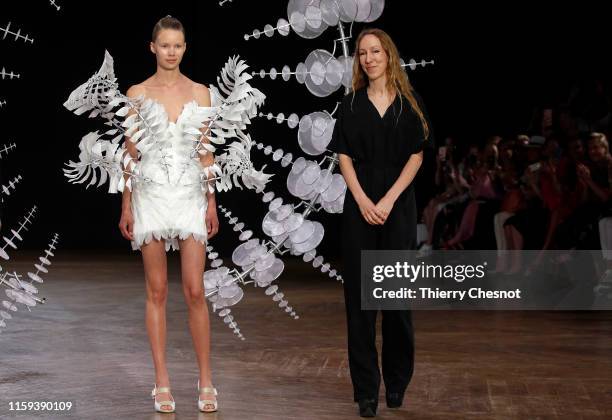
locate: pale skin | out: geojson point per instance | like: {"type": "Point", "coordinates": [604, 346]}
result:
{"type": "Point", "coordinates": [374, 61]}
{"type": "Point", "coordinates": [172, 89]}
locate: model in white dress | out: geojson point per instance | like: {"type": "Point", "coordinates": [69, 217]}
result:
{"type": "Point", "coordinates": [170, 203]}
{"type": "Point", "coordinates": [166, 170]}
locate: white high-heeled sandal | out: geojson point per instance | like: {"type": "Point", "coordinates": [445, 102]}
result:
{"type": "Point", "coordinates": [203, 403]}
{"type": "Point", "coordinates": [158, 405]}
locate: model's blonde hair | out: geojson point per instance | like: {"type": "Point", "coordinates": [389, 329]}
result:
{"type": "Point", "coordinates": [397, 79]}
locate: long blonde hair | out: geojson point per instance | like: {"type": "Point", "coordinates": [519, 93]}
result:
{"type": "Point", "coordinates": [397, 79]}
{"type": "Point", "coordinates": [600, 139]}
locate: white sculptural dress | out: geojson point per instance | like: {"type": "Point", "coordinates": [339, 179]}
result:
{"type": "Point", "coordinates": [168, 181]}
{"type": "Point", "coordinates": [169, 200]}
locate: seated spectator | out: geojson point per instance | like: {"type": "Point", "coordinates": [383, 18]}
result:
{"type": "Point", "coordinates": [485, 188]}
{"type": "Point", "coordinates": [526, 229]}
{"type": "Point", "coordinates": [580, 230]}
{"type": "Point", "coordinates": [450, 181]}
{"type": "Point", "coordinates": [512, 200]}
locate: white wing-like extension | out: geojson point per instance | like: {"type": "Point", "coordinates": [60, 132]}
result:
{"type": "Point", "coordinates": [236, 164]}
{"type": "Point", "coordinates": [101, 156]}
{"type": "Point", "coordinates": [235, 100]}
{"type": "Point", "coordinates": [104, 157]}
{"type": "Point", "coordinates": [94, 93]}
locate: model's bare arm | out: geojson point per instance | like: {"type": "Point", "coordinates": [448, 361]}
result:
{"type": "Point", "coordinates": [202, 97]}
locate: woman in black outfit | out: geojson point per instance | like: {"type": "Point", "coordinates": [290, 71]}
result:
{"type": "Point", "coordinates": [379, 135]}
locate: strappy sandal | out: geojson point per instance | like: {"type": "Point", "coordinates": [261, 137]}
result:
{"type": "Point", "coordinates": [158, 405]}
{"type": "Point", "coordinates": [207, 402]}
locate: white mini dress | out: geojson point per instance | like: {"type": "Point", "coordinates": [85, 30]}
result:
{"type": "Point", "coordinates": [168, 197]}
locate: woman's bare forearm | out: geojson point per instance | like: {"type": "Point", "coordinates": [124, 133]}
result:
{"type": "Point", "coordinates": [126, 199]}
{"type": "Point", "coordinates": [406, 176]}
{"type": "Point", "coordinates": [207, 160]}
{"type": "Point", "coordinates": [350, 176]}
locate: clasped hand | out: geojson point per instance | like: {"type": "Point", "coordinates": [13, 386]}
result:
{"type": "Point", "coordinates": [375, 214]}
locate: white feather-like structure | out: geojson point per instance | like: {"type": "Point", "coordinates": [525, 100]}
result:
{"type": "Point", "coordinates": [103, 156]}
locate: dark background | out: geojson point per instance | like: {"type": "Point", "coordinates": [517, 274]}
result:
{"type": "Point", "coordinates": [494, 64]}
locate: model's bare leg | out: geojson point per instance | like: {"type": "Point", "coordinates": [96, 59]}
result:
{"type": "Point", "coordinates": [193, 258]}
{"type": "Point", "coordinates": [156, 278]}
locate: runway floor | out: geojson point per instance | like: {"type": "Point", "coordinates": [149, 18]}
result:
{"type": "Point", "coordinates": [88, 344]}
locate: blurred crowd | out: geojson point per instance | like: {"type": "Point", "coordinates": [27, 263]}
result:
{"type": "Point", "coordinates": [549, 188]}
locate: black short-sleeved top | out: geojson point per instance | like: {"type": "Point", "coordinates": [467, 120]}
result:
{"type": "Point", "coordinates": [379, 147]}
